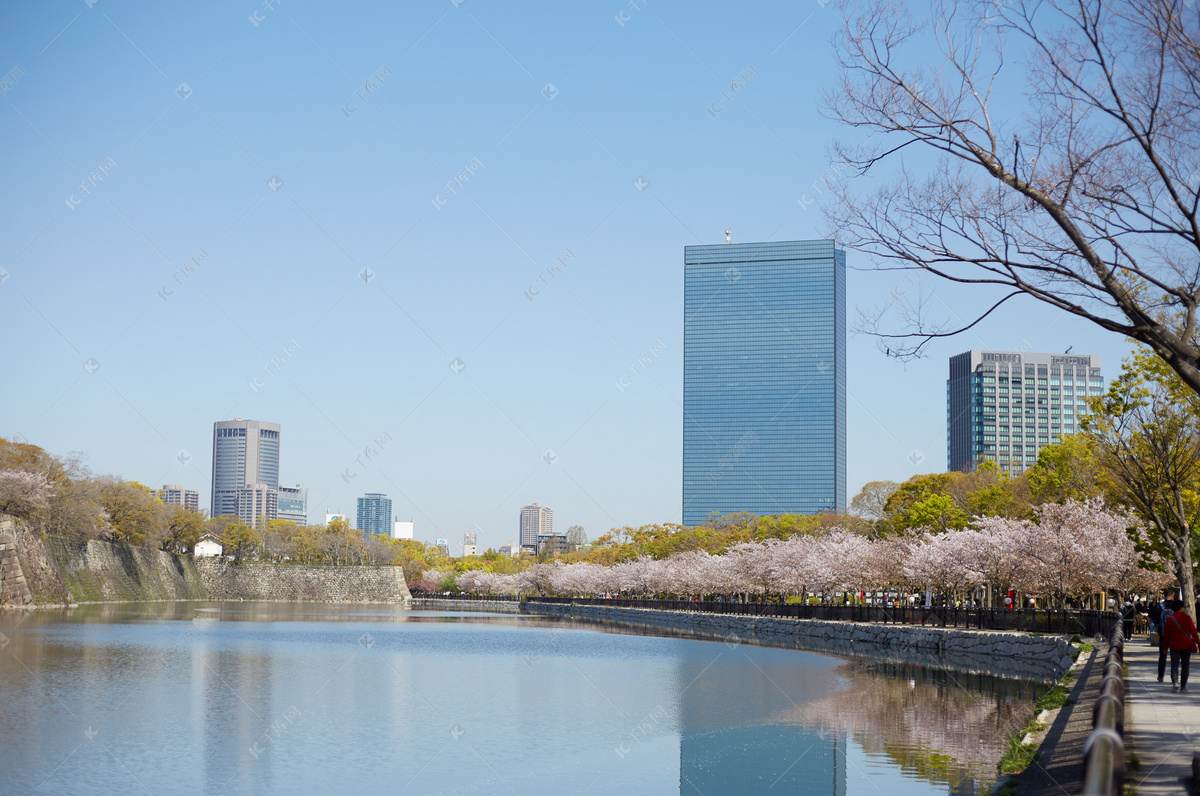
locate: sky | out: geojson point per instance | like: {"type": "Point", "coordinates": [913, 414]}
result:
{"type": "Point", "coordinates": [429, 239]}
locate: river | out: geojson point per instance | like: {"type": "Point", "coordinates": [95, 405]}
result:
{"type": "Point", "coordinates": [262, 698]}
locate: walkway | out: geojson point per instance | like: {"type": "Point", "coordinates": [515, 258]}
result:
{"type": "Point", "coordinates": [1162, 729]}
{"type": "Point", "coordinates": [1059, 769]}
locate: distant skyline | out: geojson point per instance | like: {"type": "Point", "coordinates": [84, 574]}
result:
{"type": "Point", "coordinates": [453, 235]}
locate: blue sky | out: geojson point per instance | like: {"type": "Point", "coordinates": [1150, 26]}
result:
{"type": "Point", "coordinates": [451, 227]}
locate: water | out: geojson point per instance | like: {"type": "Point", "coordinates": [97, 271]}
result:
{"type": "Point", "coordinates": [255, 698]}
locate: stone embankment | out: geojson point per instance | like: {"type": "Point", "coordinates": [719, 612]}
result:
{"type": "Point", "coordinates": [988, 651]}
{"type": "Point", "coordinates": [225, 580]}
{"type": "Point", "coordinates": [55, 571]}
{"type": "Point", "coordinates": [1005, 654]}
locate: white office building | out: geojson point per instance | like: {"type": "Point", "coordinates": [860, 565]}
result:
{"type": "Point", "coordinates": [536, 520]}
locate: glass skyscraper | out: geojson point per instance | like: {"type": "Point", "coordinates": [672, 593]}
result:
{"type": "Point", "coordinates": [1005, 406]}
{"type": "Point", "coordinates": [245, 453]}
{"type": "Point", "coordinates": [375, 514]}
{"type": "Point", "coordinates": [764, 379]}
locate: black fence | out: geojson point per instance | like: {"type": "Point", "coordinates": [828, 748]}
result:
{"type": "Point", "coordinates": [1031, 620]}
{"type": "Point", "coordinates": [491, 598]}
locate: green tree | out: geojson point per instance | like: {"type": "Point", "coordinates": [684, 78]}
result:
{"type": "Point", "coordinates": [135, 515]}
{"type": "Point", "coordinates": [184, 528]}
{"type": "Point", "coordinates": [1069, 470]}
{"type": "Point", "coordinates": [1147, 431]}
{"type": "Point", "coordinates": [239, 540]}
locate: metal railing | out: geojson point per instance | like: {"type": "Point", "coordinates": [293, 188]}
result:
{"type": "Point", "coordinates": [494, 598]}
{"type": "Point", "coordinates": [1104, 749]}
{"type": "Point", "coordinates": [1031, 620]}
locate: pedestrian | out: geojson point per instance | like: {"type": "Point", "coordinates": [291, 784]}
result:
{"type": "Point", "coordinates": [1127, 612]}
{"type": "Point", "coordinates": [1161, 610]}
{"type": "Point", "coordinates": [1181, 638]}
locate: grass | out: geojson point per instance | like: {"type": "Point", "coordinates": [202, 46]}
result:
{"type": "Point", "coordinates": [1009, 788]}
{"type": "Point", "coordinates": [1053, 699]}
{"type": "Point", "coordinates": [1017, 755]}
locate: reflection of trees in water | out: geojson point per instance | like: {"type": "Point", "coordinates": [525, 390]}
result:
{"type": "Point", "coordinates": [937, 725]}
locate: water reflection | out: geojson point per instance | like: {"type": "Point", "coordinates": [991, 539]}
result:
{"type": "Point", "coordinates": [282, 698]}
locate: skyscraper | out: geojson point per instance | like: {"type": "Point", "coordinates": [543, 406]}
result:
{"type": "Point", "coordinates": [176, 495]}
{"type": "Point", "coordinates": [536, 520]}
{"type": "Point", "coordinates": [245, 452]}
{"type": "Point", "coordinates": [764, 379]}
{"type": "Point", "coordinates": [293, 504]}
{"type": "Point", "coordinates": [375, 514]}
{"type": "Point", "coordinates": [1005, 406]}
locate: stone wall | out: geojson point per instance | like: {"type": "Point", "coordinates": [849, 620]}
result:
{"type": "Point", "coordinates": [100, 571]}
{"type": "Point", "coordinates": [57, 571]}
{"type": "Point", "coordinates": [995, 652]}
{"type": "Point", "coordinates": [13, 588]}
{"type": "Point", "coordinates": [226, 580]}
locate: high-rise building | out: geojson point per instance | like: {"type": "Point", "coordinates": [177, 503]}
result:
{"type": "Point", "coordinates": [536, 520]}
{"type": "Point", "coordinates": [293, 504]}
{"type": "Point", "coordinates": [1005, 406]}
{"type": "Point", "coordinates": [245, 452]}
{"type": "Point", "coordinates": [176, 495]}
{"type": "Point", "coordinates": [470, 545]}
{"type": "Point", "coordinates": [764, 379]}
{"type": "Point", "coordinates": [375, 514]}
{"type": "Point", "coordinates": [257, 504]}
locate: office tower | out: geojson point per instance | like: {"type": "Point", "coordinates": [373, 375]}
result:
{"type": "Point", "coordinates": [402, 529]}
{"type": "Point", "coordinates": [1005, 406]}
{"type": "Point", "coordinates": [245, 452]}
{"type": "Point", "coordinates": [293, 504]}
{"type": "Point", "coordinates": [257, 504]}
{"type": "Point", "coordinates": [764, 379]}
{"type": "Point", "coordinates": [375, 514]}
{"type": "Point", "coordinates": [536, 520]}
{"type": "Point", "coordinates": [551, 543]}
{"type": "Point", "coordinates": [470, 546]}
{"type": "Point", "coordinates": [176, 495]}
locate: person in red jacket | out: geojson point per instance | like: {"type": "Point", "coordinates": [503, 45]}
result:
{"type": "Point", "coordinates": [1181, 639]}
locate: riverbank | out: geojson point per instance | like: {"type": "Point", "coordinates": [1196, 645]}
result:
{"type": "Point", "coordinates": [53, 571]}
{"type": "Point", "coordinates": [1005, 654]}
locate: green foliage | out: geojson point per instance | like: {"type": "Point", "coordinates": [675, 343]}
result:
{"type": "Point", "coordinates": [1053, 699]}
{"type": "Point", "coordinates": [135, 515]}
{"type": "Point", "coordinates": [239, 540]}
{"type": "Point", "coordinates": [1069, 470]}
{"type": "Point", "coordinates": [184, 528]}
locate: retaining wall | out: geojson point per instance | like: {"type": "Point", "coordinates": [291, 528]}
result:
{"type": "Point", "coordinates": [57, 571]}
{"type": "Point", "coordinates": [225, 580]}
{"type": "Point", "coordinates": [993, 652]}
{"type": "Point", "coordinates": [998, 653]}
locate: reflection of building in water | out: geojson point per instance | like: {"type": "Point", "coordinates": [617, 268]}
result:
{"type": "Point", "coordinates": [762, 759]}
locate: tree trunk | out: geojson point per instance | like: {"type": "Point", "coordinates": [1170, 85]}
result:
{"type": "Point", "coordinates": [1187, 579]}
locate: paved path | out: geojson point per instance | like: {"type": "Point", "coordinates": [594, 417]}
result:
{"type": "Point", "coordinates": [1059, 768]}
{"type": "Point", "coordinates": [1162, 729]}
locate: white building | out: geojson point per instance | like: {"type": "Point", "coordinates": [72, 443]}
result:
{"type": "Point", "coordinates": [207, 547]}
{"type": "Point", "coordinates": [536, 520]}
{"type": "Point", "coordinates": [176, 495]}
{"type": "Point", "coordinates": [470, 544]}
{"type": "Point", "coordinates": [402, 530]}
{"type": "Point", "coordinates": [510, 549]}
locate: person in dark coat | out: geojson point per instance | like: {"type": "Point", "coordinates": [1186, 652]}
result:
{"type": "Point", "coordinates": [1180, 637]}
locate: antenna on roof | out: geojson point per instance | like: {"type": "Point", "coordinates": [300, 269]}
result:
{"type": "Point", "coordinates": [727, 233]}
{"type": "Point", "coordinates": [1068, 349]}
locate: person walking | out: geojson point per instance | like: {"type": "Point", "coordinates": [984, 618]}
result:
{"type": "Point", "coordinates": [1180, 637]}
{"type": "Point", "coordinates": [1159, 614]}
{"type": "Point", "coordinates": [1127, 612]}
